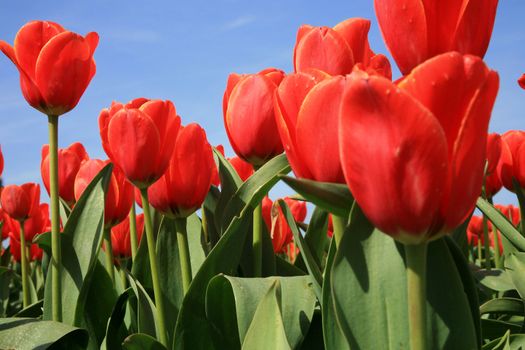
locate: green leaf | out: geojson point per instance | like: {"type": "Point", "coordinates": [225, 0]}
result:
{"type": "Point", "coordinates": [312, 265]}
{"type": "Point", "coordinates": [30, 333]}
{"type": "Point", "coordinates": [80, 242]}
{"type": "Point", "coordinates": [515, 267]}
{"type": "Point", "coordinates": [232, 305]}
{"type": "Point", "coordinates": [368, 282]}
{"type": "Point", "coordinates": [503, 224]}
{"type": "Point", "coordinates": [332, 197]}
{"type": "Point", "coordinates": [492, 329]}
{"type": "Point", "coordinates": [193, 329]}
{"type": "Point", "coordinates": [316, 235]}
{"type": "Point", "coordinates": [210, 238]}
{"type": "Point", "coordinates": [140, 341]}
{"type": "Point", "coordinates": [145, 309]}
{"type": "Point", "coordinates": [34, 310]}
{"type": "Point", "coordinates": [506, 306]}
{"type": "Point", "coordinates": [507, 342]}
{"type": "Point", "coordinates": [115, 330]}
{"type": "Point", "coordinates": [495, 279]}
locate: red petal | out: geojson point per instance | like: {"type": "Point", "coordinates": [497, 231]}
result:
{"type": "Point", "coordinates": [521, 81]}
{"type": "Point", "coordinates": [394, 156]}
{"type": "Point", "coordinates": [355, 32]}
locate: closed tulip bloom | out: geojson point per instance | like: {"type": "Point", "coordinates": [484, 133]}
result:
{"type": "Point", "coordinates": [119, 196]}
{"type": "Point", "coordinates": [249, 116]}
{"type": "Point", "coordinates": [511, 166]}
{"type": "Point", "coordinates": [1, 161]}
{"type": "Point", "coordinates": [276, 223]}
{"type": "Point", "coordinates": [20, 201]}
{"type": "Point", "coordinates": [336, 50]}
{"type": "Point", "coordinates": [521, 81]}
{"type": "Point", "coordinates": [120, 237]}
{"type": "Point", "coordinates": [184, 186]}
{"type": "Point", "coordinates": [417, 30]}
{"type": "Point", "coordinates": [413, 154]}
{"type": "Point", "coordinates": [36, 223]}
{"type": "Point", "coordinates": [475, 229]}
{"type": "Point", "coordinates": [511, 212]}
{"type": "Point", "coordinates": [35, 252]}
{"type": "Point", "coordinates": [243, 169]}
{"type": "Point", "coordinates": [55, 65]}
{"type": "Point", "coordinates": [69, 161]}
{"type": "Point", "coordinates": [139, 138]}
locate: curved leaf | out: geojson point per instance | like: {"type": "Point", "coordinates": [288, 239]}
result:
{"type": "Point", "coordinates": [140, 341]}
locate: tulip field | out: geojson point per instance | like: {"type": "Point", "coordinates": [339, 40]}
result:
{"type": "Point", "coordinates": [391, 237]}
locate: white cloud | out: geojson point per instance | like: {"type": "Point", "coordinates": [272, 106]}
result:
{"type": "Point", "coordinates": [239, 22]}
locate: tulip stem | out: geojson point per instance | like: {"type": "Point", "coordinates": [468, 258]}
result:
{"type": "Point", "coordinates": [56, 253]}
{"type": "Point", "coordinates": [257, 241]}
{"type": "Point", "coordinates": [480, 251]}
{"type": "Point", "coordinates": [416, 264]}
{"type": "Point", "coordinates": [497, 262]}
{"type": "Point", "coordinates": [122, 273]}
{"type": "Point", "coordinates": [339, 228]}
{"type": "Point", "coordinates": [133, 231]}
{"type": "Point", "coordinates": [159, 303]}
{"type": "Point", "coordinates": [109, 254]}
{"type": "Point", "coordinates": [26, 300]}
{"type": "Point", "coordinates": [184, 253]}
{"type": "Point", "coordinates": [486, 242]}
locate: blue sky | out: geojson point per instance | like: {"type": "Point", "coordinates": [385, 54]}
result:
{"type": "Point", "coordinates": [184, 51]}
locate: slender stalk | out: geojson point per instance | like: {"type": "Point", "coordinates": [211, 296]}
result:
{"type": "Point", "coordinates": [122, 273]}
{"type": "Point", "coordinates": [204, 221]}
{"type": "Point", "coordinates": [257, 241]}
{"type": "Point", "coordinates": [479, 250]}
{"type": "Point", "coordinates": [339, 228]}
{"type": "Point", "coordinates": [109, 254]}
{"type": "Point", "coordinates": [416, 262]}
{"type": "Point", "coordinates": [26, 298]}
{"type": "Point", "coordinates": [184, 253]}
{"type": "Point", "coordinates": [486, 238]}
{"type": "Point", "coordinates": [133, 232]}
{"type": "Point", "coordinates": [159, 303]}
{"type": "Point", "coordinates": [56, 253]}
{"type": "Point", "coordinates": [497, 260]}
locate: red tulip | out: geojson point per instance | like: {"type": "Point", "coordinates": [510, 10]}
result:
{"type": "Point", "coordinates": [1, 161]}
{"type": "Point", "coordinates": [35, 252]}
{"type": "Point", "coordinates": [69, 161]}
{"type": "Point", "coordinates": [119, 196]}
{"type": "Point", "coordinates": [521, 81]}
{"type": "Point", "coordinates": [512, 161]}
{"type": "Point", "coordinates": [216, 180]}
{"type": "Point", "coordinates": [416, 30]}
{"type": "Point", "coordinates": [492, 180]}
{"type": "Point", "coordinates": [19, 202]}
{"type": "Point", "coordinates": [413, 154]}
{"type": "Point", "coordinates": [37, 222]}
{"type": "Point", "coordinates": [276, 222]}
{"type": "Point", "coordinates": [184, 186]}
{"type": "Point", "coordinates": [55, 65]}
{"type": "Point", "coordinates": [511, 212]}
{"type": "Point", "coordinates": [139, 138]}
{"type": "Point", "coordinates": [475, 230]}
{"type": "Point", "coordinates": [120, 236]}
{"type": "Point", "coordinates": [243, 169]}
{"type": "Point", "coordinates": [249, 116]}
{"type": "Point", "coordinates": [337, 50]}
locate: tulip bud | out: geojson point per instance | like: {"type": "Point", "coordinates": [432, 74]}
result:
{"type": "Point", "coordinates": [120, 237]}
{"type": "Point", "coordinates": [20, 201]}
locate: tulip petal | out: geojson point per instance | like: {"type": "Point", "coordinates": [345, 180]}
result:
{"type": "Point", "coordinates": [316, 136]}
{"type": "Point", "coordinates": [404, 29]}
{"type": "Point", "coordinates": [355, 32]}
{"type": "Point", "coordinates": [135, 141]}
{"type": "Point", "coordinates": [394, 156]}
{"type": "Point", "coordinates": [63, 71]}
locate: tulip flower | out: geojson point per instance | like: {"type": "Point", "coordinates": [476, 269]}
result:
{"type": "Point", "coordinates": [429, 149]}
{"type": "Point", "coordinates": [184, 186]}
{"type": "Point", "coordinates": [69, 161]}
{"type": "Point", "coordinates": [511, 165]}
{"type": "Point", "coordinates": [276, 222]}
{"type": "Point", "coordinates": [249, 116]}
{"type": "Point", "coordinates": [20, 201]}
{"type": "Point", "coordinates": [416, 30]}
{"type": "Point", "coordinates": [120, 237]}
{"type": "Point", "coordinates": [521, 81]}
{"type": "Point", "coordinates": [35, 252]}
{"type": "Point", "coordinates": [55, 65]}
{"type": "Point", "coordinates": [139, 138]}
{"type": "Point", "coordinates": [511, 212]}
{"type": "Point", "coordinates": [1, 161]}
{"type": "Point", "coordinates": [119, 196]}
{"type": "Point", "coordinates": [492, 181]}
{"type": "Point", "coordinates": [243, 169]}
{"type": "Point", "coordinates": [336, 50]}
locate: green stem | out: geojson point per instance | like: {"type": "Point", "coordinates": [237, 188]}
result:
{"type": "Point", "coordinates": [148, 224]}
{"type": "Point", "coordinates": [109, 254]}
{"type": "Point", "coordinates": [133, 232]}
{"type": "Point", "coordinates": [480, 252]}
{"type": "Point", "coordinates": [56, 253]}
{"type": "Point", "coordinates": [497, 261]}
{"type": "Point", "coordinates": [416, 262]}
{"type": "Point", "coordinates": [486, 242]}
{"type": "Point", "coordinates": [204, 222]}
{"type": "Point", "coordinates": [339, 228]}
{"type": "Point", "coordinates": [257, 241]}
{"type": "Point", "coordinates": [122, 273]}
{"type": "Point", "coordinates": [184, 253]}
{"type": "Point", "coordinates": [26, 299]}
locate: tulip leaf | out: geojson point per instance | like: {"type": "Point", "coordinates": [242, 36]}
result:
{"type": "Point", "coordinates": [503, 224]}
{"type": "Point", "coordinates": [317, 234]}
{"type": "Point", "coordinates": [115, 330]}
{"type": "Point", "coordinates": [312, 264]}
{"type": "Point", "coordinates": [494, 279]}
{"type": "Point", "coordinates": [332, 197]}
{"type": "Point", "coordinates": [368, 281]}
{"type": "Point", "coordinates": [140, 341]}
{"type": "Point", "coordinates": [284, 268]}
{"type": "Point", "coordinates": [80, 243]}
{"type": "Point", "coordinates": [238, 307]}
{"type": "Point", "coordinates": [507, 342]}
{"type": "Point", "coordinates": [493, 329]}
{"type": "Point", "coordinates": [34, 310]}
{"type": "Point", "coordinates": [210, 237]}
{"type": "Point", "coordinates": [515, 267]}
{"type": "Point", "coordinates": [507, 306]}
{"type": "Point", "coordinates": [268, 256]}
{"type": "Point", "coordinates": [30, 333]}
{"type": "Point", "coordinates": [145, 309]}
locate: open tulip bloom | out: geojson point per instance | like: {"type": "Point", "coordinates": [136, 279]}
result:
{"type": "Point", "coordinates": [391, 171]}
